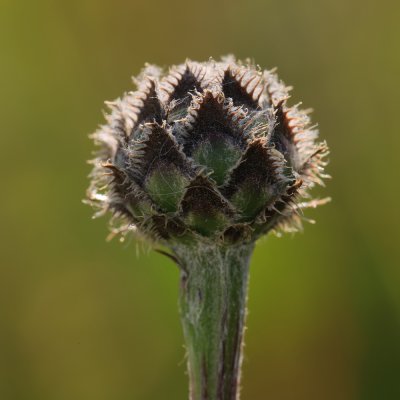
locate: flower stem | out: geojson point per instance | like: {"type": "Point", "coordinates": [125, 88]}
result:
{"type": "Point", "coordinates": [213, 307]}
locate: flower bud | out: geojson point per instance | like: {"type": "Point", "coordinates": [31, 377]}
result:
{"type": "Point", "coordinates": [209, 151]}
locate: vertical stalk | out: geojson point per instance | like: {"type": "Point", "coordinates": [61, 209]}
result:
{"type": "Point", "coordinates": [213, 307]}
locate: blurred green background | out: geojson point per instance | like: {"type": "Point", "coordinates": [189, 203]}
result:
{"type": "Point", "coordinates": [83, 319]}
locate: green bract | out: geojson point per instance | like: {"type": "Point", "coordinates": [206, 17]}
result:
{"type": "Point", "coordinates": [210, 151]}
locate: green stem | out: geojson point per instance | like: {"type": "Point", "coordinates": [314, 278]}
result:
{"type": "Point", "coordinates": [213, 307]}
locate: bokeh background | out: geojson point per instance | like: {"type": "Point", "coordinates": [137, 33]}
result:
{"type": "Point", "coordinates": [83, 319]}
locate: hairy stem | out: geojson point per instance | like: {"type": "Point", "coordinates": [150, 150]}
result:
{"type": "Point", "coordinates": [213, 307]}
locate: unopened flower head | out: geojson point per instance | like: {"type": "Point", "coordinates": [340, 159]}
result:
{"type": "Point", "coordinates": [208, 151]}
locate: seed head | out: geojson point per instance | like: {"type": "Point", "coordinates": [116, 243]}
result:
{"type": "Point", "coordinates": [210, 151]}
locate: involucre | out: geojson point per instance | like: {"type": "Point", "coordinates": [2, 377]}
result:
{"type": "Point", "coordinates": [210, 151]}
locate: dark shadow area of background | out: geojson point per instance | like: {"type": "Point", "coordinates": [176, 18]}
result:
{"type": "Point", "coordinates": [81, 319]}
